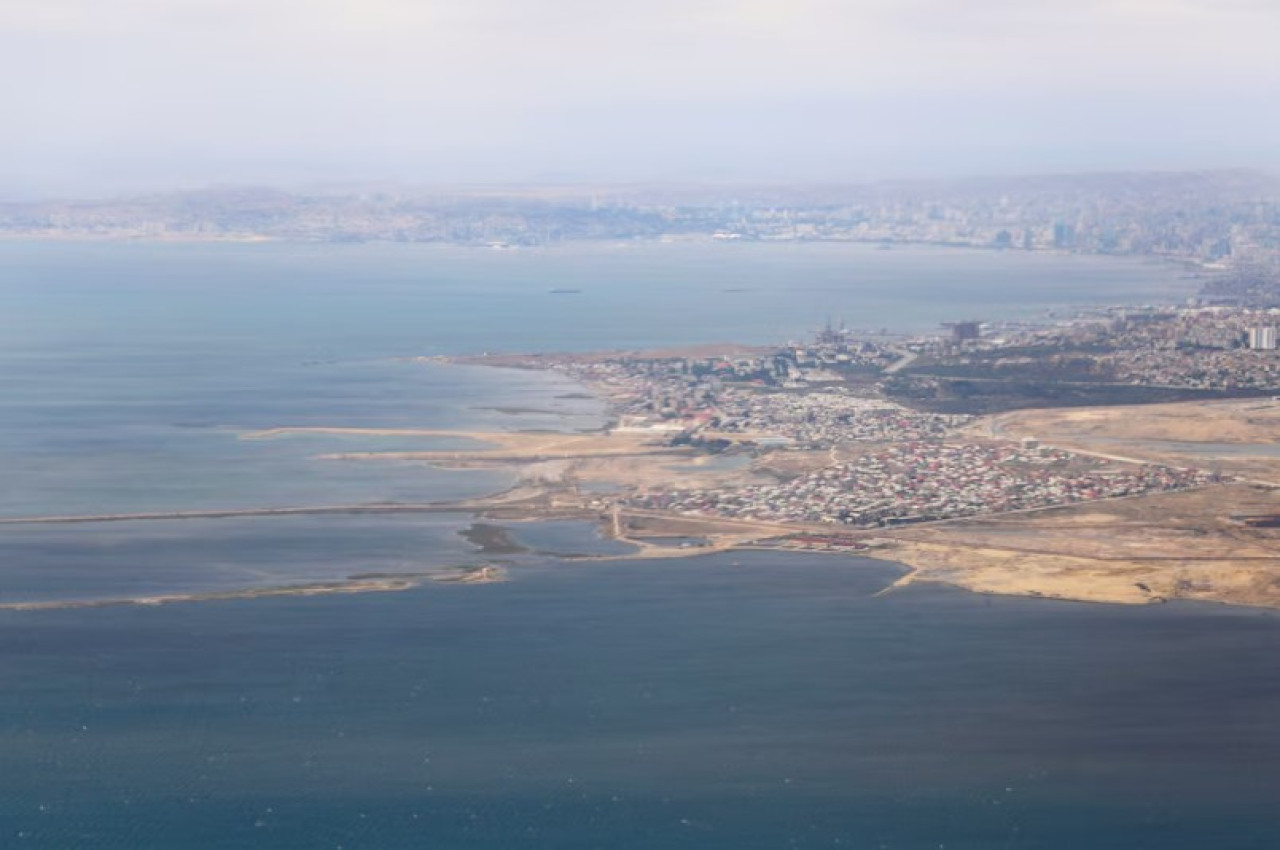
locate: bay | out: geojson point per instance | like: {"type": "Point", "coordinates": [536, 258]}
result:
{"type": "Point", "coordinates": [737, 700]}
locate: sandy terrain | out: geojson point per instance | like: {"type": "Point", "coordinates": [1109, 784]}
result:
{"type": "Point", "coordinates": [1237, 421]}
{"type": "Point", "coordinates": [521, 447]}
{"type": "Point", "coordinates": [1166, 546]}
{"type": "Point", "coordinates": [625, 460]}
{"type": "Point", "coordinates": [697, 472]}
{"type": "Point", "coordinates": [1002, 571]}
{"type": "Point", "coordinates": [1231, 437]}
{"type": "Point", "coordinates": [1140, 550]}
{"type": "Point", "coordinates": [364, 585]}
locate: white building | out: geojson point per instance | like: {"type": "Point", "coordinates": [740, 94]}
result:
{"type": "Point", "coordinates": [1262, 339]}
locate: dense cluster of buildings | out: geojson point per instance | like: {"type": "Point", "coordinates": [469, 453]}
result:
{"type": "Point", "coordinates": [1216, 347]}
{"type": "Point", "coordinates": [1198, 347]}
{"type": "Point", "coordinates": [1235, 369]}
{"type": "Point", "coordinates": [824, 418]}
{"type": "Point", "coordinates": [659, 389]}
{"type": "Point", "coordinates": [917, 481]}
{"type": "Point", "coordinates": [908, 465]}
{"type": "Point", "coordinates": [1208, 217]}
{"type": "Point", "coordinates": [1194, 327]}
{"type": "Point", "coordinates": [750, 399]}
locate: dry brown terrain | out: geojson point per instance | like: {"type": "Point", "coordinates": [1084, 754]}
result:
{"type": "Point", "coordinates": [658, 470]}
{"type": "Point", "coordinates": [1234, 437]}
{"type": "Point", "coordinates": [1141, 550]}
{"type": "Point", "coordinates": [1237, 421]}
{"type": "Point", "coordinates": [495, 446]}
{"type": "Point", "coordinates": [625, 460]}
{"type": "Point", "coordinates": [1166, 546]}
{"type": "Point", "coordinates": [371, 585]}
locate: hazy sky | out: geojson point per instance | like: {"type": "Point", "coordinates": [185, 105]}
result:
{"type": "Point", "coordinates": [101, 95]}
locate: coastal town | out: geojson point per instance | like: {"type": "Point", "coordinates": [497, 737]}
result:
{"type": "Point", "coordinates": [917, 481]}
{"type": "Point", "coordinates": [1105, 454]}
{"type": "Point", "coordinates": [827, 423]}
{"type": "Point", "coordinates": [1212, 217]}
{"type": "Point", "coordinates": [910, 445]}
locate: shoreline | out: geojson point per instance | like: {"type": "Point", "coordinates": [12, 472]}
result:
{"type": "Point", "coordinates": [312, 589]}
{"type": "Point", "coordinates": [362, 583]}
{"type": "Point", "coordinates": [1035, 552]}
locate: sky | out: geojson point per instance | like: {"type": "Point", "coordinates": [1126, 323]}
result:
{"type": "Point", "coordinates": [105, 96]}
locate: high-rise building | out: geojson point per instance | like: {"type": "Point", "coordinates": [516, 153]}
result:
{"type": "Point", "coordinates": [1064, 235]}
{"type": "Point", "coordinates": [1262, 339]}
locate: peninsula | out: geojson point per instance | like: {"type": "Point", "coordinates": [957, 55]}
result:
{"type": "Point", "coordinates": [833, 445]}
{"type": "Point", "coordinates": [1110, 454]}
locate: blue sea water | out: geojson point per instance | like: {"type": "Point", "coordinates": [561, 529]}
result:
{"type": "Point", "coordinates": [129, 371]}
{"type": "Point", "coordinates": [727, 701]}
{"type": "Point", "coordinates": [221, 301]}
{"type": "Point", "coordinates": [114, 435]}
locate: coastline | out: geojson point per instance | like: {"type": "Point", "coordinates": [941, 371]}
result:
{"type": "Point", "coordinates": [1141, 549]}
{"type": "Point", "coordinates": [1036, 554]}
{"type": "Point", "coordinates": [592, 475]}
{"type": "Point", "coordinates": [1051, 565]}
{"type": "Point", "coordinates": [369, 583]}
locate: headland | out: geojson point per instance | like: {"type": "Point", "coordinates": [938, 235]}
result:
{"type": "Point", "coordinates": [830, 445]}
{"type": "Point", "coordinates": [1021, 458]}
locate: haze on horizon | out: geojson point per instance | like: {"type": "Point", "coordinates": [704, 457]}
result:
{"type": "Point", "coordinates": [108, 96]}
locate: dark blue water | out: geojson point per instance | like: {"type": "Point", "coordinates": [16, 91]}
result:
{"type": "Point", "coordinates": [746, 700]}
{"type": "Point", "coordinates": [776, 703]}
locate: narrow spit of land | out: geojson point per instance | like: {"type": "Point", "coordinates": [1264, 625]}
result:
{"type": "Point", "coordinates": [451, 507]}
{"type": "Point", "coordinates": [372, 583]}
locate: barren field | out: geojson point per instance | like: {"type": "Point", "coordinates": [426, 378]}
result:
{"type": "Point", "coordinates": [1236, 438]}
{"type": "Point", "coordinates": [698, 472]}
{"type": "Point", "coordinates": [1141, 550]}
{"type": "Point", "coordinates": [1243, 421]}
{"type": "Point", "coordinates": [1167, 546]}
{"type": "Point", "coordinates": [504, 446]}
{"type": "Point", "coordinates": [621, 460]}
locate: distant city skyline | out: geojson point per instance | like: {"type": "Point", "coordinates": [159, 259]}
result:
{"type": "Point", "coordinates": [142, 95]}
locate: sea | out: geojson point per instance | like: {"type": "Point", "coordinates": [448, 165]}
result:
{"type": "Point", "coordinates": [735, 700]}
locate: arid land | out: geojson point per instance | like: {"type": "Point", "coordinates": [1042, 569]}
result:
{"type": "Point", "coordinates": [1192, 544]}
{"type": "Point", "coordinates": [367, 583]}
{"type": "Point", "coordinates": [1240, 438]}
